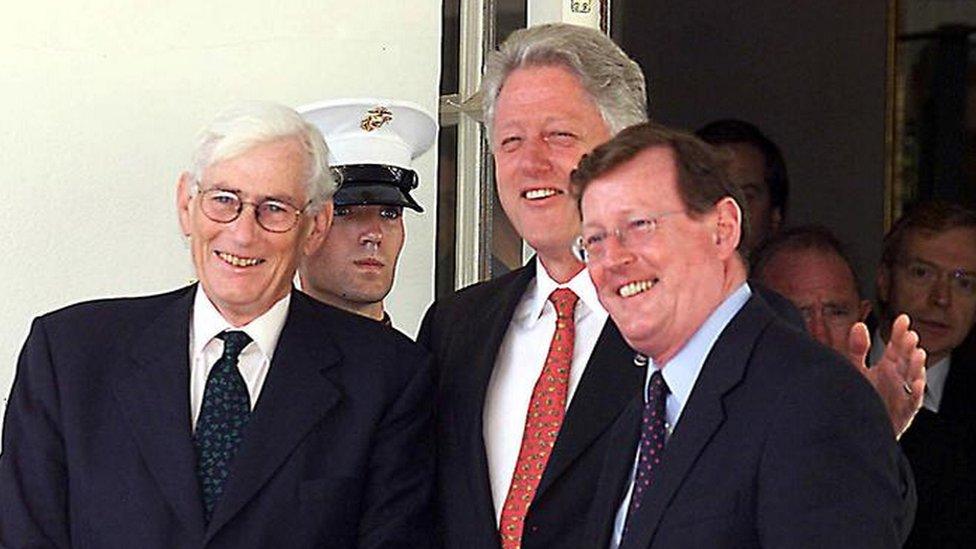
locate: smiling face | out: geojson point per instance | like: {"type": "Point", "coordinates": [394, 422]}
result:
{"type": "Point", "coordinates": [244, 269]}
{"type": "Point", "coordinates": [661, 287]}
{"type": "Point", "coordinates": [355, 266]}
{"type": "Point", "coordinates": [820, 284]}
{"type": "Point", "coordinates": [942, 315]}
{"type": "Point", "coordinates": [544, 122]}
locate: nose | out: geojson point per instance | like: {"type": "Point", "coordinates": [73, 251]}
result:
{"type": "Point", "coordinates": [940, 294]}
{"type": "Point", "coordinates": [535, 157]}
{"type": "Point", "coordinates": [245, 227]}
{"type": "Point", "coordinates": [372, 233]}
{"type": "Point", "coordinates": [616, 254]}
{"type": "Point", "coordinates": [818, 328]}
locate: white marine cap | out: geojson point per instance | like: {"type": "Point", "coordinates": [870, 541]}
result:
{"type": "Point", "coordinates": [372, 143]}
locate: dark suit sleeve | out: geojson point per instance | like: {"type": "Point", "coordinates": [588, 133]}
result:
{"type": "Point", "coordinates": [829, 475]}
{"type": "Point", "coordinates": [397, 510]}
{"type": "Point", "coordinates": [33, 477]}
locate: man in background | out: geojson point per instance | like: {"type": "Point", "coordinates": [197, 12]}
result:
{"type": "Point", "coordinates": [757, 167]}
{"type": "Point", "coordinates": [928, 270]}
{"type": "Point", "coordinates": [810, 267]}
{"type": "Point", "coordinates": [372, 144]}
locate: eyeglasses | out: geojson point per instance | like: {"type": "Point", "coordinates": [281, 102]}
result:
{"type": "Point", "coordinates": [273, 215]}
{"type": "Point", "coordinates": [924, 275]}
{"type": "Point", "coordinates": [592, 246]}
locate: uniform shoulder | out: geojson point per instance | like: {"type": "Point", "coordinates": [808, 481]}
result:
{"type": "Point", "coordinates": [352, 330]}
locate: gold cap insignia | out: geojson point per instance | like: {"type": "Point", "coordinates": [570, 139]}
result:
{"type": "Point", "coordinates": [375, 118]}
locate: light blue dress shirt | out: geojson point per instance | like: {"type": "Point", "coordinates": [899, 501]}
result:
{"type": "Point", "coordinates": [680, 374]}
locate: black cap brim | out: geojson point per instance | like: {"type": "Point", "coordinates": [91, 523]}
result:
{"type": "Point", "coordinates": [365, 184]}
{"type": "Point", "coordinates": [365, 194]}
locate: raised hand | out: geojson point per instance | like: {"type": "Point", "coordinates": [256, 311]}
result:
{"type": "Point", "coordinates": [899, 377]}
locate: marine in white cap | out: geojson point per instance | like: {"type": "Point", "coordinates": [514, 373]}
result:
{"type": "Point", "coordinates": [372, 143]}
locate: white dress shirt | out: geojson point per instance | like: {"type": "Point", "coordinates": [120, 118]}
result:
{"type": "Point", "coordinates": [519, 363]}
{"type": "Point", "coordinates": [935, 375]}
{"type": "Point", "coordinates": [680, 374]}
{"type": "Point", "coordinates": [205, 349]}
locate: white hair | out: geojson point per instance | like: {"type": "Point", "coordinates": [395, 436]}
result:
{"type": "Point", "coordinates": [614, 81]}
{"type": "Point", "coordinates": [245, 125]}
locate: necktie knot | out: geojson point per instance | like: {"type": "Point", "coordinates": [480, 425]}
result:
{"type": "Point", "coordinates": [564, 300]}
{"type": "Point", "coordinates": [234, 343]}
{"type": "Point", "coordinates": [657, 389]}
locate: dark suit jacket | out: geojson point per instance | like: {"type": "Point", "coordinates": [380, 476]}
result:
{"type": "Point", "coordinates": [464, 332]}
{"type": "Point", "coordinates": [781, 444]}
{"type": "Point", "coordinates": [97, 448]}
{"type": "Point", "coordinates": [942, 450]}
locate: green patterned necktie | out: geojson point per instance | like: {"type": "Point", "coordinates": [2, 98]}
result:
{"type": "Point", "coordinates": [223, 417]}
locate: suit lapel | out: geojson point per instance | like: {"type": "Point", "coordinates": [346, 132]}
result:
{"type": "Point", "coordinates": [617, 467]}
{"type": "Point", "coordinates": [295, 396]}
{"type": "Point", "coordinates": [956, 400]}
{"type": "Point", "coordinates": [153, 389]}
{"type": "Point", "coordinates": [491, 322]}
{"type": "Point", "coordinates": [608, 383]}
{"type": "Point", "coordinates": [703, 414]}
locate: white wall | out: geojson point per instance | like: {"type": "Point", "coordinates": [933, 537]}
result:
{"type": "Point", "coordinates": [100, 102]}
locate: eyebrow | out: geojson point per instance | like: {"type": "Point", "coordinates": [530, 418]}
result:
{"type": "Point", "coordinates": [939, 267]}
{"type": "Point", "coordinates": [259, 198]}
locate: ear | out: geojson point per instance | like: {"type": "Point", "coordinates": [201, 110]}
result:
{"type": "Point", "coordinates": [728, 226]}
{"type": "Point", "coordinates": [865, 309]}
{"type": "Point", "coordinates": [775, 220]}
{"type": "Point", "coordinates": [883, 282]}
{"type": "Point", "coordinates": [183, 202]}
{"type": "Point", "coordinates": [319, 229]}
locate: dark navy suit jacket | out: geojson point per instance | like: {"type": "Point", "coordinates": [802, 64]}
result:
{"type": "Point", "coordinates": [781, 444]}
{"type": "Point", "coordinates": [97, 448]}
{"type": "Point", "coordinates": [942, 450]}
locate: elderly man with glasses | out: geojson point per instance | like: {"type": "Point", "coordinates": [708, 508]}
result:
{"type": "Point", "coordinates": [235, 412]}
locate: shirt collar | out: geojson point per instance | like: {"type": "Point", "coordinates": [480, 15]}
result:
{"type": "Point", "coordinates": [264, 330]}
{"type": "Point", "coordinates": [935, 378]}
{"type": "Point", "coordinates": [682, 371]}
{"type": "Point", "coordinates": [877, 347]}
{"type": "Point", "coordinates": [935, 375]}
{"type": "Point", "coordinates": [530, 310]}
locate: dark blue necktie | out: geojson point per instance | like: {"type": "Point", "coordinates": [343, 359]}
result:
{"type": "Point", "coordinates": [223, 417]}
{"type": "Point", "coordinates": [653, 433]}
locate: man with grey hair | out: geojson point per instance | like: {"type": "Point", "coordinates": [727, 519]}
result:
{"type": "Point", "coordinates": [235, 412]}
{"type": "Point", "coordinates": [531, 373]}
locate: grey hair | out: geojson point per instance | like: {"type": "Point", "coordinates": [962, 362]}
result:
{"type": "Point", "coordinates": [242, 126]}
{"type": "Point", "coordinates": [614, 81]}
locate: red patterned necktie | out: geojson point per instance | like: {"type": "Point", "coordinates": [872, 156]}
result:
{"type": "Point", "coordinates": [542, 421]}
